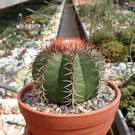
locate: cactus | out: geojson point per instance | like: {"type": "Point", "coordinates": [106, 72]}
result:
{"type": "Point", "coordinates": [68, 71]}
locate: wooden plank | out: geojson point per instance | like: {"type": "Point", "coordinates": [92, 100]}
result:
{"type": "Point", "coordinates": [46, 16]}
{"type": "Point", "coordinates": [9, 3]}
{"type": "Point", "coordinates": [119, 126]}
{"type": "Point", "coordinates": [10, 88]}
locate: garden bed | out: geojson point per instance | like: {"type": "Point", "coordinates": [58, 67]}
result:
{"type": "Point", "coordinates": [20, 42]}
{"type": "Point", "coordinates": [11, 121]}
{"type": "Point", "coordinates": [112, 31]}
{"type": "Point", "coordinates": [121, 51]}
{"type": "Point", "coordinates": [28, 28]}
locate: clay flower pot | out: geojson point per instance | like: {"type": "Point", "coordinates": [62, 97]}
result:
{"type": "Point", "coordinates": [93, 123]}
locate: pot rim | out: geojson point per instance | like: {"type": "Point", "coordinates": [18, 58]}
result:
{"type": "Point", "coordinates": [112, 85]}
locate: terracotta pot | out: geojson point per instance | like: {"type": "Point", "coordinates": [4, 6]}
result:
{"type": "Point", "coordinates": [93, 123]}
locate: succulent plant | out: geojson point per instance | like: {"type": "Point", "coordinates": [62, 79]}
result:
{"type": "Point", "coordinates": [130, 116]}
{"type": "Point", "coordinates": [68, 71]}
{"type": "Point", "coordinates": [130, 81]}
{"type": "Point", "coordinates": [127, 98]}
{"type": "Point", "coordinates": [115, 50]}
{"type": "Point", "coordinates": [127, 103]}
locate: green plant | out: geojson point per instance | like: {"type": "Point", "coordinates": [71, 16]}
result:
{"type": "Point", "coordinates": [127, 98]}
{"type": "Point", "coordinates": [124, 36]}
{"type": "Point", "coordinates": [131, 115]}
{"type": "Point", "coordinates": [100, 7]}
{"type": "Point", "coordinates": [127, 104]}
{"type": "Point", "coordinates": [102, 36]}
{"type": "Point", "coordinates": [130, 81]}
{"type": "Point", "coordinates": [133, 53]}
{"type": "Point", "coordinates": [85, 10]}
{"type": "Point", "coordinates": [68, 71]}
{"type": "Point", "coordinates": [115, 51]}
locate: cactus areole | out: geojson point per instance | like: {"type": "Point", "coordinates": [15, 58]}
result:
{"type": "Point", "coordinates": [68, 71]}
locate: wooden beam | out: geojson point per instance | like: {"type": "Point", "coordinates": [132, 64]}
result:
{"type": "Point", "coordinates": [9, 3]}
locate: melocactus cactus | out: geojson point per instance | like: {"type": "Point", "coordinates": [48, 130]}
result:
{"type": "Point", "coordinates": [68, 71]}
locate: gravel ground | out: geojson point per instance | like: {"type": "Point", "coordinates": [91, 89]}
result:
{"type": "Point", "coordinates": [105, 96]}
{"type": "Point", "coordinates": [12, 124]}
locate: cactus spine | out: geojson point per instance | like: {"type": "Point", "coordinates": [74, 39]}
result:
{"type": "Point", "coordinates": [68, 71]}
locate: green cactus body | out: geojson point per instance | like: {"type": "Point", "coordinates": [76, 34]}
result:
{"type": "Point", "coordinates": [67, 71]}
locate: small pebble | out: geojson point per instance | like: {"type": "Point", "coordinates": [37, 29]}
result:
{"type": "Point", "coordinates": [105, 96]}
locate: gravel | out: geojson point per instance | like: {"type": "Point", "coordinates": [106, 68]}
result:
{"type": "Point", "coordinates": [106, 95]}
